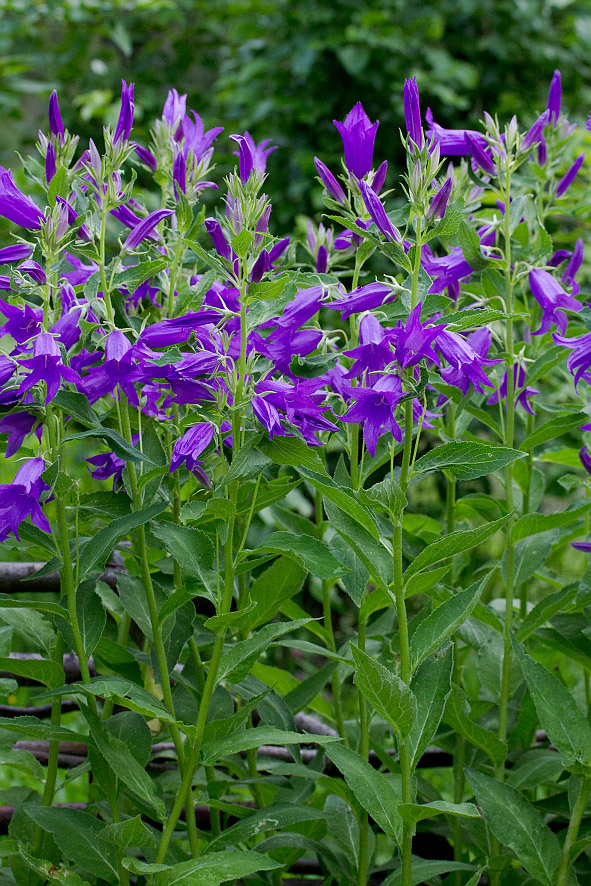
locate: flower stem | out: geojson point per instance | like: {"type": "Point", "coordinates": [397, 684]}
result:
{"type": "Point", "coordinates": [573, 832]}
{"type": "Point", "coordinates": [364, 752]}
{"type": "Point", "coordinates": [104, 285]}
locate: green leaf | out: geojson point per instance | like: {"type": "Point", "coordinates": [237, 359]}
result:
{"type": "Point", "coordinates": [423, 581]}
{"type": "Point", "coordinates": [17, 602]}
{"type": "Point", "coordinates": [49, 872]}
{"type": "Point", "coordinates": [95, 551]}
{"type": "Point", "coordinates": [76, 406]}
{"type": "Point", "coordinates": [293, 452]}
{"type": "Point", "coordinates": [423, 871]}
{"type": "Point", "coordinates": [18, 758]}
{"type": "Point", "coordinates": [255, 738]}
{"type": "Point", "coordinates": [41, 670]}
{"type": "Point", "coordinates": [271, 818]}
{"type": "Point", "coordinates": [127, 695]}
{"type": "Point", "coordinates": [467, 461]}
{"type": "Point", "coordinates": [92, 618]}
{"type": "Point", "coordinates": [123, 763]}
{"type": "Point", "coordinates": [434, 631]}
{"type": "Point", "coordinates": [238, 660]}
{"type": "Point", "coordinates": [118, 444]}
{"type": "Point", "coordinates": [372, 789]}
{"type": "Point", "coordinates": [544, 610]}
{"type": "Point", "coordinates": [456, 715]}
{"type": "Point", "coordinates": [134, 276]}
{"type": "Point", "coordinates": [431, 685]}
{"type": "Point", "coordinates": [215, 868]}
{"type": "Point", "coordinates": [241, 242]}
{"type": "Point", "coordinates": [544, 363]}
{"type": "Point", "coordinates": [78, 835]}
{"type": "Point", "coordinates": [34, 728]}
{"type": "Point", "coordinates": [211, 258]}
{"type": "Point", "coordinates": [191, 548]}
{"type": "Point", "coordinates": [529, 554]}
{"type": "Point", "coordinates": [533, 524]}
{"type": "Point", "coordinates": [128, 833]}
{"type": "Point", "coordinates": [310, 553]}
{"type": "Point", "coordinates": [345, 500]}
{"type": "Point", "coordinates": [280, 582]}
{"type": "Point", "coordinates": [267, 290]}
{"type": "Point", "coordinates": [469, 242]}
{"type": "Point", "coordinates": [236, 620]}
{"type": "Point", "coordinates": [376, 558]}
{"type": "Point", "coordinates": [560, 716]}
{"type": "Point", "coordinates": [553, 428]}
{"type": "Point", "coordinates": [191, 298]}
{"type": "Point", "coordinates": [355, 580]}
{"type": "Point", "coordinates": [411, 813]}
{"type": "Point", "coordinates": [454, 543]}
{"type": "Point", "coordinates": [391, 698]}
{"type": "Point", "coordinates": [518, 826]}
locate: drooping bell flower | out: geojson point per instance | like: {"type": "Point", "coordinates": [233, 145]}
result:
{"type": "Point", "coordinates": [536, 131]}
{"type": "Point", "coordinates": [480, 155]}
{"type": "Point", "coordinates": [67, 328]}
{"type": "Point", "coordinates": [301, 309]}
{"type": "Point", "coordinates": [146, 157]}
{"type": "Point", "coordinates": [21, 323]}
{"type": "Point", "coordinates": [466, 359]}
{"type": "Point", "coordinates": [81, 273]}
{"type": "Point", "coordinates": [284, 344]}
{"type": "Point", "coordinates": [373, 352]}
{"type": "Point", "coordinates": [267, 415]}
{"type": "Point", "coordinates": [191, 445]}
{"type": "Point", "coordinates": [413, 341]}
{"type": "Point", "coordinates": [18, 425]}
{"type": "Point", "coordinates": [412, 112]}
{"type": "Point", "coordinates": [579, 362]}
{"type": "Point", "coordinates": [33, 270]}
{"type": "Point", "coordinates": [251, 156]}
{"type": "Point", "coordinates": [117, 369]}
{"type": "Point", "coordinates": [220, 244]}
{"type": "Point", "coordinates": [195, 138]}
{"type": "Point", "coordinates": [573, 266]}
{"type": "Point", "coordinates": [107, 464]}
{"type": "Point", "coordinates": [7, 369]}
{"type": "Point", "coordinates": [329, 181]}
{"type": "Point", "coordinates": [146, 227]}
{"type": "Point", "coordinates": [366, 298]}
{"type": "Point", "coordinates": [302, 404]}
{"type": "Point", "coordinates": [16, 206]}
{"type": "Point", "coordinates": [452, 142]}
{"type": "Point", "coordinates": [552, 299]}
{"type": "Point", "coordinates": [375, 207]}
{"type": "Point", "coordinates": [374, 408]}
{"type": "Point", "coordinates": [50, 162]}
{"type": "Point", "coordinates": [125, 120]}
{"type": "Point", "coordinates": [439, 201]}
{"type": "Point", "coordinates": [377, 182]}
{"type": "Point", "coordinates": [522, 398]}
{"type": "Point", "coordinates": [358, 134]}
{"type": "Point", "coordinates": [584, 457]}
{"type": "Point", "coordinates": [569, 177]}
{"type": "Point", "coordinates": [20, 499]}
{"type": "Point", "coordinates": [555, 97]}
{"type": "Point", "coordinates": [18, 252]}
{"type": "Point", "coordinates": [46, 365]}
{"type": "Point", "coordinates": [56, 126]}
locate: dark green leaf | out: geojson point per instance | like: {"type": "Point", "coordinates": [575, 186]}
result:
{"type": "Point", "coordinates": [467, 461]}
{"type": "Point", "coordinates": [95, 551]}
{"type": "Point", "coordinates": [391, 698]}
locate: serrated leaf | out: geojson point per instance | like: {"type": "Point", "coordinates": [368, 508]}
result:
{"type": "Point", "coordinates": [41, 670]}
{"type": "Point", "coordinates": [376, 558]}
{"type": "Point", "coordinates": [456, 715]}
{"type": "Point", "coordinates": [76, 405]}
{"type": "Point", "coordinates": [129, 833]}
{"type": "Point", "coordinates": [95, 551]}
{"type": "Point", "coordinates": [467, 461]}
{"type": "Point", "coordinates": [553, 428]}
{"type": "Point", "coordinates": [254, 738]}
{"type": "Point", "coordinates": [411, 813]}
{"type": "Point", "coordinates": [544, 610]}
{"type": "Point", "coordinates": [279, 582]}
{"type": "Point", "coordinates": [533, 524]}
{"type": "Point", "coordinates": [293, 452]}
{"type": "Point", "coordinates": [134, 276]}
{"type": "Point", "coordinates": [238, 660]}
{"type": "Point", "coordinates": [391, 698]}
{"type": "Point", "coordinates": [78, 835]}
{"type": "Point", "coordinates": [216, 868]}
{"type": "Point", "coordinates": [308, 552]}
{"type": "Point", "coordinates": [431, 685]}
{"type": "Point", "coordinates": [271, 818]}
{"type": "Point", "coordinates": [118, 444]}
{"type": "Point", "coordinates": [191, 548]}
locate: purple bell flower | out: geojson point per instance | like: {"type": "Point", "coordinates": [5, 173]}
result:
{"type": "Point", "coordinates": [439, 201]}
{"type": "Point", "coordinates": [374, 408]}
{"type": "Point", "coordinates": [33, 270]}
{"type": "Point", "coordinates": [585, 459]}
{"type": "Point", "coordinates": [16, 206]}
{"type": "Point", "coordinates": [18, 425]}
{"type": "Point", "coordinates": [480, 155]}
{"type": "Point", "coordinates": [7, 369]}
{"type": "Point", "coordinates": [579, 362]}
{"type": "Point", "coordinates": [452, 142]}
{"type": "Point", "coordinates": [50, 162]}
{"type": "Point", "coordinates": [21, 323]}
{"type": "Point", "coordinates": [375, 207]}
{"type": "Point", "coordinates": [251, 156]}
{"type": "Point", "coordinates": [145, 228]}
{"type": "Point", "coordinates": [83, 233]}
{"type": "Point", "coordinates": [542, 152]}
{"type": "Point", "coordinates": [107, 464]}
{"type": "Point", "coordinates": [175, 108]}
{"type": "Point", "coordinates": [466, 359]}
{"type": "Point", "coordinates": [67, 329]}
{"type": "Point", "coordinates": [196, 139]}
{"type": "Point", "coordinates": [373, 352]}
{"type": "Point", "coordinates": [329, 181]}
{"type": "Point", "coordinates": [553, 300]}
{"type": "Point", "coordinates": [567, 179]}
{"type": "Point", "coordinates": [146, 157]}
{"type": "Point", "coordinates": [191, 445]}
{"type": "Point", "coordinates": [18, 252]}
{"type": "Point", "coordinates": [56, 126]}
{"type": "Point", "coordinates": [125, 121]}
{"type": "Point", "coordinates": [322, 259]}
{"type": "Point", "coordinates": [118, 368]}
{"type": "Point", "coordinates": [366, 298]}
{"type": "Point", "coordinates": [267, 415]}
{"type": "Point", "coordinates": [377, 182]}
{"type": "Point", "coordinates": [518, 382]}
{"type": "Point", "coordinates": [358, 134]}
{"type": "Point", "coordinates": [220, 244]}
{"type": "Point", "coordinates": [555, 97]}
{"type": "Point", "coordinates": [573, 266]}
{"type": "Point", "coordinates": [46, 365]}
{"type": "Point", "coordinates": [81, 273]}
{"type": "Point", "coordinates": [536, 132]}
{"type": "Point", "coordinates": [413, 341]}
{"type": "Point", "coordinates": [262, 226]}
{"type": "Point", "coordinates": [20, 499]}
{"type": "Point", "coordinates": [412, 112]}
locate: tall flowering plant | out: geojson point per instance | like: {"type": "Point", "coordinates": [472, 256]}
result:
{"type": "Point", "coordinates": [323, 464]}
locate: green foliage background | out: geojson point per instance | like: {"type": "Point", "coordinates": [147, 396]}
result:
{"type": "Point", "coordinates": [285, 68]}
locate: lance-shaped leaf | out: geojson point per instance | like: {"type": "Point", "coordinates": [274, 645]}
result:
{"type": "Point", "coordinates": [467, 461]}
{"type": "Point", "coordinates": [532, 524]}
{"type": "Point", "coordinates": [434, 631]}
{"type": "Point", "coordinates": [553, 428]}
{"type": "Point", "coordinates": [431, 686]}
{"type": "Point", "coordinates": [95, 551]}
{"type": "Point", "coordinates": [560, 716]}
{"type": "Point", "coordinates": [293, 452]}
{"type": "Point", "coordinates": [544, 610]}
{"type": "Point", "coordinates": [9, 602]}
{"type": "Point", "coordinates": [216, 868]}
{"type": "Point", "coordinates": [238, 660]}
{"type": "Point", "coordinates": [391, 698]}
{"type": "Point", "coordinates": [45, 671]}
{"type": "Point", "coordinates": [78, 835]}
{"type": "Point", "coordinates": [274, 817]}
{"type": "Point", "coordinates": [456, 715]}
{"type": "Point", "coordinates": [452, 544]}
{"type": "Point", "coordinates": [255, 738]}
{"type": "Point", "coordinates": [517, 826]}
{"type": "Point", "coordinates": [411, 813]}
{"type": "Point", "coordinates": [376, 558]}
{"type": "Point", "coordinates": [118, 444]}
{"type": "Point", "coordinates": [345, 500]}
{"type": "Point", "coordinates": [277, 584]}
{"type": "Point", "coordinates": [309, 552]}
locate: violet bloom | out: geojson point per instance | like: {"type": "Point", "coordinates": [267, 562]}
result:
{"type": "Point", "coordinates": [553, 299]}
{"type": "Point", "coordinates": [374, 408]}
{"type": "Point", "coordinates": [7, 369]}
{"type": "Point", "coordinates": [262, 226]}
{"type": "Point", "coordinates": [267, 415]}
{"type": "Point", "coordinates": [56, 126]}
{"type": "Point", "coordinates": [107, 464]}
{"type": "Point", "coordinates": [358, 134]}
{"type": "Point", "coordinates": [536, 132]}
{"type": "Point", "coordinates": [466, 359]}
{"type": "Point", "coordinates": [412, 112]}
{"type": "Point", "coordinates": [20, 499]}
{"type": "Point", "coordinates": [18, 425]}
{"type": "Point", "coordinates": [579, 362]}
{"type": "Point", "coordinates": [175, 108]}
{"type": "Point", "coordinates": [50, 162]}
{"type": "Point", "coordinates": [81, 273]}
{"type": "Point", "coordinates": [146, 157]}
{"type": "Point", "coordinates": [72, 216]}
{"type": "Point", "coordinates": [329, 181]}
{"type": "Point", "coordinates": [302, 404]}
{"type": "Point", "coordinates": [373, 352]}
{"type": "Point", "coordinates": [33, 270]}
{"type": "Point", "coordinates": [585, 459]}
{"type": "Point", "coordinates": [196, 139]}
{"type": "Point", "coordinates": [191, 445]}
{"type": "Point", "coordinates": [366, 298]}
{"type": "Point", "coordinates": [146, 227]}
{"type": "Point", "coordinates": [413, 342]}
{"type": "Point", "coordinates": [302, 308]}
{"type": "Point", "coordinates": [21, 323]}
{"type": "Point", "coordinates": [452, 142]}
{"type": "Point", "coordinates": [16, 206]}
{"type": "Point", "coordinates": [251, 156]}
{"type": "Point", "coordinates": [322, 259]}
{"type": "Point", "coordinates": [67, 328]}
{"type": "Point", "coordinates": [220, 244]}
{"type": "Point", "coordinates": [284, 344]}
{"type": "Point", "coordinates": [375, 207]}
{"type": "Point", "coordinates": [567, 179]}
{"type": "Point", "coordinates": [518, 382]}
{"type": "Point", "coordinates": [573, 266]}
{"type": "Point", "coordinates": [46, 365]}
{"type": "Point", "coordinates": [542, 152]}
{"type": "Point", "coordinates": [377, 182]}
{"type": "Point", "coordinates": [125, 121]}
{"type": "Point", "coordinates": [18, 252]}
{"type": "Point", "coordinates": [555, 97]}
{"type": "Point", "coordinates": [118, 368]}
{"type": "Point", "coordinates": [439, 201]}
{"type": "Point", "coordinates": [480, 155]}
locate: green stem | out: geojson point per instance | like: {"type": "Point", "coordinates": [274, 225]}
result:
{"type": "Point", "coordinates": [364, 752]}
{"type": "Point", "coordinates": [573, 832]}
{"type": "Point", "coordinates": [173, 275]}
{"type": "Point", "coordinates": [526, 509]}
{"type": "Point", "coordinates": [104, 285]}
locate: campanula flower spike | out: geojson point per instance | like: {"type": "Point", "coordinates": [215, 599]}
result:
{"type": "Point", "coordinates": [413, 341]}
{"type": "Point", "coordinates": [191, 445]}
{"type": "Point", "coordinates": [553, 300]}
{"type": "Point", "coordinates": [412, 113]}
{"type": "Point", "coordinates": [525, 391]}
{"type": "Point", "coordinates": [125, 119]}
{"type": "Point", "coordinates": [358, 134]}
{"type": "Point", "coordinates": [47, 366]}
{"type": "Point", "coordinates": [555, 97]}
{"type": "Point", "coordinates": [20, 499]}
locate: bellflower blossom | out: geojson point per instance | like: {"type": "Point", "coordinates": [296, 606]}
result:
{"type": "Point", "coordinates": [146, 227]}
{"type": "Point", "coordinates": [125, 120]}
{"type": "Point", "coordinates": [569, 177]}
{"type": "Point", "coordinates": [373, 352]}
{"type": "Point", "coordinates": [358, 134]}
{"type": "Point", "coordinates": [480, 155]}
{"type": "Point", "coordinates": [18, 425]}
{"type": "Point", "coordinates": [579, 362]}
{"type": "Point", "coordinates": [56, 126]}
{"type": "Point", "coordinates": [555, 97]}
{"type": "Point", "coordinates": [50, 163]}
{"type": "Point", "coordinates": [374, 408]}
{"type": "Point", "coordinates": [466, 359]}
{"type": "Point", "coordinates": [573, 266]}
{"type": "Point", "coordinates": [18, 252]}
{"type": "Point", "coordinates": [452, 142]}
{"type": "Point", "coordinates": [220, 244]}
{"type": "Point", "coordinates": [21, 323]}
{"type": "Point", "coordinates": [329, 181]}
{"type": "Point", "coordinates": [251, 156]}
{"type": "Point", "coordinates": [107, 464]}
{"type": "Point", "coordinates": [46, 365]}
{"type": "Point", "coordinates": [191, 445]}
{"type": "Point", "coordinates": [412, 112]}
{"type": "Point", "coordinates": [118, 368]}
{"type": "Point", "coordinates": [413, 341]}
{"type": "Point", "coordinates": [7, 369]}
{"type": "Point", "coordinates": [553, 300]}
{"type": "Point", "coordinates": [366, 298]}
{"type": "Point", "coordinates": [439, 201]}
{"type": "Point", "coordinates": [535, 133]}
{"type": "Point", "coordinates": [20, 499]}
{"type": "Point", "coordinates": [518, 382]}
{"type": "Point", "coordinates": [375, 207]}
{"type": "Point", "coordinates": [16, 206]}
